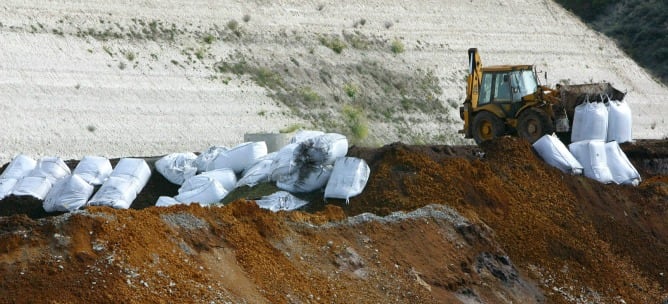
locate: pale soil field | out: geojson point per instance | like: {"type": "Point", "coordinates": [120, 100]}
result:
{"type": "Point", "coordinates": [138, 78]}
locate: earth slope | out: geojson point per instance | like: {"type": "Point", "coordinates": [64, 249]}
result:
{"type": "Point", "coordinates": [144, 78]}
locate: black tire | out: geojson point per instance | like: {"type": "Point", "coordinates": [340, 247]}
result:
{"type": "Point", "coordinates": [533, 124]}
{"type": "Point", "coordinates": [486, 126]}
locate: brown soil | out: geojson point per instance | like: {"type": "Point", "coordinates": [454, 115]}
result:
{"type": "Point", "coordinates": [435, 224]}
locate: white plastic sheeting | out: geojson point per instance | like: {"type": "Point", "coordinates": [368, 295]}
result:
{"type": "Point", "coordinates": [321, 150]}
{"type": "Point", "coordinates": [590, 122]}
{"type": "Point", "coordinates": [304, 135]}
{"type": "Point", "coordinates": [93, 169]}
{"type": "Point", "coordinates": [177, 167]}
{"type": "Point", "coordinates": [166, 201]}
{"type": "Point", "coordinates": [592, 155]}
{"type": "Point", "coordinates": [348, 178]}
{"type": "Point", "coordinates": [239, 157]}
{"type": "Point", "coordinates": [201, 189]}
{"type": "Point", "coordinates": [259, 172]}
{"type": "Point", "coordinates": [555, 153]}
{"type": "Point", "coordinates": [117, 192]}
{"type": "Point", "coordinates": [280, 201]}
{"type": "Point", "coordinates": [68, 194]}
{"type": "Point", "coordinates": [623, 172]}
{"type": "Point", "coordinates": [620, 122]}
{"type": "Point", "coordinates": [306, 179]}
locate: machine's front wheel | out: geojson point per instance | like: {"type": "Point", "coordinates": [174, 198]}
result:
{"type": "Point", "coordinates": [486, 126]}
{"type": "Point", "coordinates": [533, 124]}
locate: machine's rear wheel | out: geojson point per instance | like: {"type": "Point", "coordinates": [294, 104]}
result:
{"type": "Point", "coordinates": [533, 124]}
{"type": "Point", "coordinates": [486, 126]}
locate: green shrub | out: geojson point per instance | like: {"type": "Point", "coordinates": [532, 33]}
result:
{"type": "Point", "coordinates": [356, 122]}
{"type": "Point", "coordinates": [397, 46]}
{"type": "Point", "coordinates": [335, 44]}
{"type": "Point", "coordinates": [308, 94]}
{"type": "Point", "coordinates": [350, 89]}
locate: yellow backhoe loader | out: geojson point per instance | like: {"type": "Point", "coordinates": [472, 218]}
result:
{"type": "Point", "coordinates": [508, 100]}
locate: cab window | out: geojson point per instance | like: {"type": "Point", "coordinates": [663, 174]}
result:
{"type": "Point", "coordinates": [485, 89]}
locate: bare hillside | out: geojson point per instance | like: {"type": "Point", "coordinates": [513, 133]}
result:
{"type": "Point", "coordinates": [153, 77]}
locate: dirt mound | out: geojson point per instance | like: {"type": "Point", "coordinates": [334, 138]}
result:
{"type": "Point", "coordinates": [435, 224]}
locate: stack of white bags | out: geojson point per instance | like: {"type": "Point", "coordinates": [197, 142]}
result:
{"type": "Point", "coordinates": [598, 128]}
{"type": "Point", "coordinates": [313, 160]}
{"type": "Point", "coordinates": [50, 179]}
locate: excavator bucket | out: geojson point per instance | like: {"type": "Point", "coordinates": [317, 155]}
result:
{"type": "Point", "coordinates": [574, 95]}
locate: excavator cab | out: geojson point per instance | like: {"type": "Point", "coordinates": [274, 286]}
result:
{"type": "Point", "coordinates": [503, 100]}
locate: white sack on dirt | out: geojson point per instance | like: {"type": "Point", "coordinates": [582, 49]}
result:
{"type": "Point", "coordinates": [6, 186]}
{"type": "Point", "coordinates": [348, 178]}
{"type": "Point", "coordinates": [51, 167]}
{"type": "Point", "coordinates": [68, 194]}
{"type": "Point", "coordinates": [226, 177]}
{"type": "Point", "coordinates": [133, 169]}
{"type": "Point", "coordinates": [620, 122]}
{"type": "Point", "coordinates": [93, 169]}
{"type": "Point", "coordinates": [284, 162]}
{"type": "Point", "coordinates": [204, 159]}
{"type": "Point", "coordinates": [257, 173]}
{"type": "Point", "coordinates": [303, 135]}
{"type": "Point", "coordinates": [590, 122]}
{"type": "Point", "coordinates": [19, 167]}
{"type": "Point", "coordinates": [591, 154]}
{"type": "Point", "coordinates": [35, 186]}
{"type": "Point", "coordinates": [555, 153]}
{"type": "Point", "coordinates": [280, 201]}
{"type": "Point", "coordinates": [177, 167]}
{"type": "Point", "coordinates": [321, 150]}
{"type": "Point", "coordinates": [117, 192]}
{"type": "Point", "coordinates": [306, 179]}
{"type": "Point", "coordinates": [239, 157]}
{"type": "Point", "coordinates": [623, 172]}
{"type": "Point", "coordinates": [201, 189]}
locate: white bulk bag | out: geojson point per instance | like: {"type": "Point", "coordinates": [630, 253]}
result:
{"type": "Point", "coordinates": [135, 169]}
{"type": "Point", "coordinates": [304, 135]}
{"type": "Point", "coordinates": [117, 192]}
{"type": "Point", "coordinates": [19, 167]}
{"type": "Point", "coordinates": [307, 179]}
{"type": "Point", "coordinates": [258, 172]}
{"type": "Point", "coordinates": [177, 167]}
{"type": "Point", "coordinates": [53, 168]}
{"type": "Point", "coordinates": [239, 157]}
{"type": "Point", "coordinates": [205, 158]}
{"type": "Point", "coordinates": [226, 177]}
{"type": "Point", "coordinates": [619, 122]}
{"type": "Point", "coordinates": [623, 172]}
{"type": "Point", "coordinates": [166, 201]}
{"type": "Point", "coordinates": [591, 154]}
{"type": "Point", "coordinates": [93, 169]}
{"type": "Point", "coordinates": [555, 153]}
{"type": "Point", "coordinates": [68, 194]}
{"type": "Point", "coordinates": [35, 186]}
{"type": "Point", "coordinates": [590, 122]}
{"type": "Point", "coordinates": [324, 149]}
{"type": "Point", "coordinates": [284, 162]}
{"type": "Point", "coordinates": [280, 201]}
{"type": "Point", "coordinates": [348, 178]}
{"type": "Point", "coordinates": [6, 186]}
{"type": "Point", "coordinates": [202, 189]}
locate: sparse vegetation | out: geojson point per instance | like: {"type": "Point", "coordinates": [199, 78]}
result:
{"type": "Point", "coordinates": [356, 122]}
{"type": "Point", "coordinates": [129, 55]}
{"type": "Point", "coordinates": [209, 38]}
{"type": "Point", "coordinates": [397, 46]}
{"type": "Point", "coordinates": [350, 89]}
{"type": "Point", "coordinates": [334, 43]}
{"type": "Point", "coordinates": [291, 128]}
{"type": "Point", "coordinates": [246, 18]}
{"type": "Point", "coordinates": [308, 95]}
{"type": "Point", "coordinates": [388, 24]}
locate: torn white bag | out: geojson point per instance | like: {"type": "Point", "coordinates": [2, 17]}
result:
{"type": "Point", "coordinates": [177, 167]}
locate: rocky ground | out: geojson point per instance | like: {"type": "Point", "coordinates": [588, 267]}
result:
{"type": "Point", "coordinates": [435, 224]}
